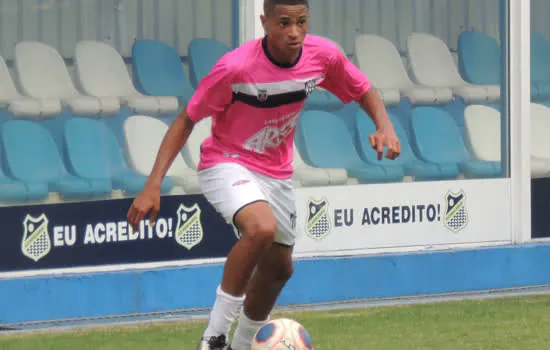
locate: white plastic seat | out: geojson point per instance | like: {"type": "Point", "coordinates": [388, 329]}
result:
{"type": "Point", "coordinates": [483, 127]}
{"type": "Point", "coordinates": [192, 149]}
{"type": "Point", "coordinates": [102, 72]}
{"type": "Point", "coordinates": [23, 106]}
{"type": "Point", "coordinates": [42, 74]}
{"type": "Point", "coordinates": [380, 60]}
{"type": "Point", "coordinates": [143, 138]}
{"type": "Point", "coordinates": [540, 142]}
{"type": "Point", "coordinates": [432, 64]}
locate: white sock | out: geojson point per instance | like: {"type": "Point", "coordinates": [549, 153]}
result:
{"type": "Point", "coordinates": [223, 314]}
{"type": "Point", "coordinates": [242, 339]}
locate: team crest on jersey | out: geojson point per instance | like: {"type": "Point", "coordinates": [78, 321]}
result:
{"type": "Point", "coordinates": [189, 231]}
{"type": "Point", "coordinates": [262, 95]}
{"type": "Point", "coordinates": [310, 86]}
{"type": "Point", "coordinates": [456, 216]}
{"type": "Point", "coordinates": [318, 219]}
{"type": "Point", "coordinates": [36, 242]}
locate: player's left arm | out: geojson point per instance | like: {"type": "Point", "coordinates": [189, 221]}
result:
{"type": "Point", "coordinates": [385, 135]}
{"type": "Point", "coordinates": [347, 82]}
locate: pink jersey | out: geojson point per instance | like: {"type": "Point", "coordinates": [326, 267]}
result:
{"type": "Point", "coordinates": [255, 102]}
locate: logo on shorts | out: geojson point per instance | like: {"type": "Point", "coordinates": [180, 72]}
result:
{"type": "Point", "coordinates": [189, 231]}
{"type": "Point", "coordinates": [293, 221]}
{"type": "Point", "coordinates": [318, 219]}
{"type": "Point", "coordinates": [456, 216]}
{"type": "Point", "coordinates": [36, 242]}
{"type": "Point", "coordinates": [310, 86]}
{"type": "Point", "coordinates": [262, 95]}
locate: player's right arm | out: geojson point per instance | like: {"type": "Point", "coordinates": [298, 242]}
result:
{"type": "Point", "coordinates": [149, 198]}
{"type": "Point", "coordinates": [212, 96]}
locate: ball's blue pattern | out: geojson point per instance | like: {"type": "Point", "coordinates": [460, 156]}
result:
{"type": "Point", "coordinates": [306, 338]}
{"type": "Point", "coordinates": [265, 333]}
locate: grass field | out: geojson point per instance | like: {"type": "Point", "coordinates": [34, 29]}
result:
{"type": "Point", "coordinates": [511, 323]}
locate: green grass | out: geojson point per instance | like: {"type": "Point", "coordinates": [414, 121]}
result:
{"type": "Point", "coordinates": [511, 323]}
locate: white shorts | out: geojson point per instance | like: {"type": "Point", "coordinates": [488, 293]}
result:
{"type": "Point", "coordinates": [229, 187]}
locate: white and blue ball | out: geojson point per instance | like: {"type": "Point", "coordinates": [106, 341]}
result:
{"type": "Point", "coordinates": [282, 334]}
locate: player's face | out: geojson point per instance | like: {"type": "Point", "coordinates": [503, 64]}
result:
{"type": "Point", "coordinates": [286, 27]}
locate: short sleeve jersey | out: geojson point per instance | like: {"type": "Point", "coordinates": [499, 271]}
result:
{"type": "Point", "coordinates": [255, 102]}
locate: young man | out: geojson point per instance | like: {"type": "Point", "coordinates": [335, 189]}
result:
{"type": "Point", "coordinates": [254, 95]}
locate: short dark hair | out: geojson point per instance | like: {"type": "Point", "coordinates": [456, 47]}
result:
{"type": "Point", "coordinates": [269, 5]}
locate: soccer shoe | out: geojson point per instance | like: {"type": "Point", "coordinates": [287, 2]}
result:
{"type": "Point", "coordinates": [214, 343]}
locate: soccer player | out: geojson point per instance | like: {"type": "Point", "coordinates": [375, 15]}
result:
{"type": "Point", "coordinates": [254, 95]}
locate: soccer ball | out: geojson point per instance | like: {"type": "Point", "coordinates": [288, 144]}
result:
{"type": "Point", "coordinates": [282, 334]}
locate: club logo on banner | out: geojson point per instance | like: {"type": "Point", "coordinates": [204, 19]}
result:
{"type": "Point", "coordinates": [189, 230]}
{"type": "Point", "coordinates": [36, 242]}
{"type": "Point", "coordinates": [318, 219]}
{"type": "Point", "coordinates": [456, 216]}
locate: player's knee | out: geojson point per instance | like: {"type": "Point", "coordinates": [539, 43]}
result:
{"type": "Point", "coordinates": [261, 233]}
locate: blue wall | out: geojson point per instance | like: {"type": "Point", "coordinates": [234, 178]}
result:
{"type": "Point", "coordinates": [315, 280]}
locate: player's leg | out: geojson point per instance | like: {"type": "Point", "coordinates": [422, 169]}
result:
{"type": "Point", "coordinates": [274, 268]}
{"type": "Point", "coordinates": [273, 271]}
{"type": "Point", "coordinates": [234, 192]}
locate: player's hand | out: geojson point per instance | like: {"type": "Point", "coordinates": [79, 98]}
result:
{"type": "Point", "coordinates": [385, 137]}
{"type": "Point", "coordinates": [147, 202]}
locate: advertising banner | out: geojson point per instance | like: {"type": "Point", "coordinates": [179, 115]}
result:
{"type": "Point", "coordinates": [91, 234]}
{"type": "Point", "coordinates": [339, 219]}
{"type": "Point", "coordinates": [330, 220]}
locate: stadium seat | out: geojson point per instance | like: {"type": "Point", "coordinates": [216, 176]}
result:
{"type": "Point", "coordinates": [432, 64]}
{"type": "Point", "coordinates": [15, 191]}
{"type": "Point", "coordinates": [380, 60]}
{"type": "Point", "coordinates": [540, 142]}
{"type": "Point", "coordinates": [94, 154]}
{"type": "Point", "coordinates": [33, 157]}
{"type": "Point", "coordinates": [158, 70]}
{"type": "Point", "coordinates": [479, 57]}
{"type": "Point", "coordinates": [540, 67]}
{"type": "Point", "coordinates": [326, 142]}
{"type": "Point", "coordinates": [24, 106]}
{"type": "Point", "coordinates": [43, 74]}
{"type": "Point", "coordinates": [101, 72]}
{"type": "Point", "coordinates": [144, 136]}
{"type": "Point", "coordinates": [307, 176]}
{"type": "Point", "coordinates": [483, 130]}
{"type": "Point", "coordinates": [192, 149]}
{"type": "Point", "coordinates": [414, 167]}
{"type": "Point", "coordinates": [203, 55]}
{"type": "Point", "coordinates": [438, 141]}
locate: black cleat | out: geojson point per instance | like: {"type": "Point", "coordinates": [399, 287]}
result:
{"type": "Point", "coordinates": [214, 343]}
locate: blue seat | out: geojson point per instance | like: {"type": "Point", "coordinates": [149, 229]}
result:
{"type": "Point", "coordinates": [413, 166]}
{"type": "Point", "coordinates": [203, 55]}
{"type": "Point", "coordinates": [15, 191]}
{"type": "Point", "coordinates": [326, 142]}
{"type": "Point", "coordinates": [323, 100]}
{"type": "Point", "coordinates": [158, 70]}
{"type": "Point", "coordinates": [94, 154]}
{"type": "Point", "coordinates": [480, 59]}
{"type": "Point", "coordinates": [438, 141]}
{"type": "Point", "coordinates": [33, 157]}
{"type": "Point", "coordinates": [540, 67]}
